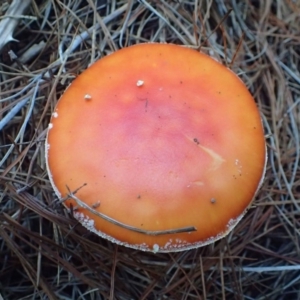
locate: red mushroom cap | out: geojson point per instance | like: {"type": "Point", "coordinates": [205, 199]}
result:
{"type": "Point", "coordinates": [157, 147]}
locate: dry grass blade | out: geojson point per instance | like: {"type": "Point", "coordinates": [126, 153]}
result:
{"type": "Point", "coordinates": [44, 252]}
{"type": "Point", "coordinates": [10, 21]}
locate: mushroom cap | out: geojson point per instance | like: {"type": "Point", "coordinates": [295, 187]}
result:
{"type": "Point", "coordinates": [157, 147]}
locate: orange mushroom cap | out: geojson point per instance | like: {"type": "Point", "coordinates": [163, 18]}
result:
{"type": "Point", "coordinates": [157, 147]}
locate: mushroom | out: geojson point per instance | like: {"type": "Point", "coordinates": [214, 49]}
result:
{"type": "Point", "coordinates": [157, 147]}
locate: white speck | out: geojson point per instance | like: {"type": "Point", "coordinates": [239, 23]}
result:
{"type": "Point", "coordinates": [87, 97]}
{"type": "Point", "coordinates": [233, 222]}
{"type": "Point", "coordinates": [168, 244]}
{"type": "Point", "coordinates": [50, 126]}
{"type": "Point", "coordinates": [160, 89]}
{"type": "Point", "coordinates": [239, 166]}
{"type": "Point", "coordinates": [155, 248]}
{"type": "Point", "coordinates": [139, 83]}
{"type": "Point", "coordinates": [79, 216]}
{"type": "Point", "coordinates": [89, 223]}
{"type": "Point", "coordinates": [55, 115]}
{"type": "Point", "coordinates": [84, 220]}
{"type": "Point", "coordinates": [195, 183]}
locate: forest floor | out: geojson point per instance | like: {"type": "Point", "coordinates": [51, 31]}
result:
{"type": "Point", "coordinates": [44, 252]}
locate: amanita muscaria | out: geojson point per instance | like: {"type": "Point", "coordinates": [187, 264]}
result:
{"type": "Point", "coordinates": [157, 147]}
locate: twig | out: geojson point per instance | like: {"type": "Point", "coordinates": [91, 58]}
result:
{"type": "Point", "coordinates": [263, 269]}
{"type": "Point", "coordinates": [10, 22]}
{"type": "Point", "coordinates": [80, 203]}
